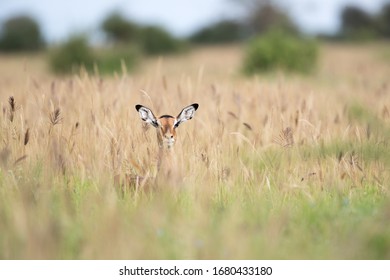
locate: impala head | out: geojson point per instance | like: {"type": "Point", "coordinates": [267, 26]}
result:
{"type": "Point", "coordinates": [166, 124]}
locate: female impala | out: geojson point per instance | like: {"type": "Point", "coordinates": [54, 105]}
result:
{"type": "Point", "coordinates": [166, 124]}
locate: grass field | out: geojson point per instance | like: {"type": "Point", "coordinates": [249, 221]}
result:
{"type": "Point", "coordinates": [271, 167]}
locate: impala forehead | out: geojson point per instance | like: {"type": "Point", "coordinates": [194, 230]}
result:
{"type": "Point", "coordinates": [167, 121]}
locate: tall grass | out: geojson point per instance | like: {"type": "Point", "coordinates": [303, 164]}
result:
{"type": "Point", "coordinates": [276, 167]}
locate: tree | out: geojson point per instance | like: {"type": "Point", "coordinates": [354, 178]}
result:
{"type": "Point", "coordinates": [264, 15]}
{"type": "Point", "coordinates": [224, 31]}
{"type": "Point", "coordinates": [151, 40]}
{"type": "Point", "coordinates": [357, 24]}
{"type": "Point", "coordinates": [119, 29]}
{"type": "Point", "coordinates": [155, 40]}
{"type": "Point", "coordinates": [21, 33]}
{"type": "Point", "coordinates": [384, 21]}
{"type": "Point", "coordinates": [267, 16]}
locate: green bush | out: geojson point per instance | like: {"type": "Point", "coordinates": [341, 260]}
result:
{"type": "Point", "coordinates": [21, 33]}
{"type": "Point", "coordinates": [278, 50]}
{"type": "Point", "coordinates": [72, 55]}
{"type": "Point", "coordinates": [76, 54]}
{"type": "Point", "coordinates": [113, 60]}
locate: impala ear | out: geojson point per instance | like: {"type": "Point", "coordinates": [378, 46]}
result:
{"type": "Point", "coordinates": [146, 115]}
{"type": "Point", "coordinates": [186, 114]}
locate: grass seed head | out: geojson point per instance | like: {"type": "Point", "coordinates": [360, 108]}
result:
{"type": "Point", "coordinates": [12, 105]}
{"type": "Point", "coordinates": [26, 136]}
{"type": "Point", "coordinates": [55, 117]}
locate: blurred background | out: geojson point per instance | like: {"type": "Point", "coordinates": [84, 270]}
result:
{"type": "Point", "coordinates": [288, 156]}
{"type": "Point", "coordinates": [110, 34]}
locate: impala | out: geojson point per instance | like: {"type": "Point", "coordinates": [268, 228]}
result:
{"type": "Point", "coordinates": [166, 124]}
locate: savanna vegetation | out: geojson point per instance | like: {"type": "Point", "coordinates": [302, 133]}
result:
{"type": "Point", "coordinates": [289, 162]}
{"type": "Point", "coordinates": [272, 166]}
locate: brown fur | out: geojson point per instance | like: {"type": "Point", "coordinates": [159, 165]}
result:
{"type": "Point", "coordinates": [166, 130]}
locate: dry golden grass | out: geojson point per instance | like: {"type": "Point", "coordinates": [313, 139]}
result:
{"type": "Point", "coordinates": [273, 166]}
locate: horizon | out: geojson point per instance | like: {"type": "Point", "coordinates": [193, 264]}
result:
{"type": "Point", "coordinates": [179, 18]}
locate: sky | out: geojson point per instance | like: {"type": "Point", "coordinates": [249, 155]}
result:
{"type": "Point", "coordinates": [60, 18]}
